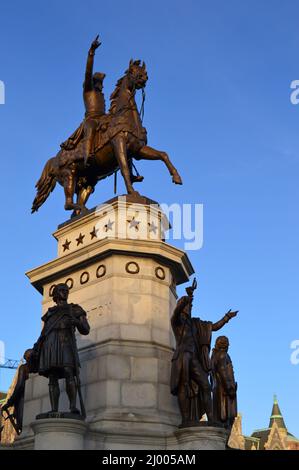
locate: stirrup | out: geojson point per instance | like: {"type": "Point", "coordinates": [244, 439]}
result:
{"type": "Point", "coordinates": [137, 178]}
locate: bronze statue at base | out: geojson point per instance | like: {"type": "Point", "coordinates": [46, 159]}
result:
{"type": "Point", "coordinates": [191, 365]}
{"type": "Point", "coordinates": [16, 399]}
{"type": "Point", "coordinates": [56, 349]}
{"type": "Point", "coordinates": [223, 384]}
{"type": "Point", "coordinates": [55, 356]}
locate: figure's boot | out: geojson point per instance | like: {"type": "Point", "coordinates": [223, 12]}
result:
{"type": "Point", "coordinates": [136, 178]}
{"type": "Point", "coordinates": [184, 405]}
{"type": "Point", "coordinates": [208, 406]}
{"type": "Point", "coordinates": [54, 393]}
{"type": "Point", "coordinates": [89, 147]}
{"type": "Point", "coordinates": [71, 390]}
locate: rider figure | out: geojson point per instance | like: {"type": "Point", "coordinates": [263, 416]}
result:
{"type": "Point", "coordinates": [94, 102]}
{"type": "Point", "coordinates": [93, 99]}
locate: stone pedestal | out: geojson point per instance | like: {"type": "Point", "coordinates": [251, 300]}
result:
{"type": "Point", "coordinates": [120, 270]}
{"type": "Point", "coordinates": [59, 434]}
{"type": "Point", "coordinates": [201, 438]}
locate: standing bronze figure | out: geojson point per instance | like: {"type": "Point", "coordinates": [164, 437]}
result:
{"type": "Point", "coordinates": [56, 349]}
{"type": "Point", "coordinates": [16, 399]}
{"type": "Point", "coordinates": [224, 384]}
{"type": "Point", "coordinates": [106, 142]}
{"type": "Point", "coordinates": [191, 363]}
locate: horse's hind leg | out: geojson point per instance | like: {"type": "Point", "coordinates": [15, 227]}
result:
{"type": "Point", "coordinates": [149, 153]}
{"type": "Point", "coordinates": [82, 198]}
{"type": "Point", "coordinates": [69, 182]}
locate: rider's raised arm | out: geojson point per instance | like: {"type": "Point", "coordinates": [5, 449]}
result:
{"type": "Point", "coordinates": [88, 82]}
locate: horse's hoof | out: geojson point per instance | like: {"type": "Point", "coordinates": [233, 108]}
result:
{"type": "Point", "coordinates": [177, 179]}
{"type": "Point", "coordinates": [134, 194]}
{"type": "Point", "coordinates": [72, 207]}
{"type": "Point", "coordinates": [69, 207]}
{"type": "Point", "coordinates": [79, 211]}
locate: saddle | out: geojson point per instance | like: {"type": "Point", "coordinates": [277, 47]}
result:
{"type": "Point", "coordinates": [108, 127]}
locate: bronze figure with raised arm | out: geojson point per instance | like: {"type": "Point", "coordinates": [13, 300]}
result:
{"type": "Point", "coordinates": [94, 102]}
{"type": "Point", "coordinates": [93, 99]}
{"type": "Point", "coordinates": [191, 364]}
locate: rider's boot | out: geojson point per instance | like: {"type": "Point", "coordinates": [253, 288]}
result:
{"type": "Point", "coordinates": [136, 178]}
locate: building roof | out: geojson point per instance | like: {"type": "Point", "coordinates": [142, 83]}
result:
{"type": "Point", "coordinates": [262, 437]}
{"type": "Point", "coordinates": [274, 437]}
{"type": "Point", "coordinates": [250, 441]}
{"type": "Point", "coordinates": [276, 415]}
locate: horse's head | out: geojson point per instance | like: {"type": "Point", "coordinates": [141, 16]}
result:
{"type": "Point", "coordinates": [137, 74]}
{"type": "Point", "coordinates": [135, 78]}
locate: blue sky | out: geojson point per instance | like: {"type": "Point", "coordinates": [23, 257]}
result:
{"type": "Point", "coordinates": [218, 101]}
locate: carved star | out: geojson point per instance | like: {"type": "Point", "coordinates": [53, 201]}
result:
{"type": "Point", "coordinates": [79, 240]}
{"type": "Point", "coordinates": [134, 223]}
{"type": "Point", "coordinates": [153, 227]}
{"type": "Point", "coordinates": [94, 233]}
{"type": "Point", "coordinates": [66, 245]}
{"type": "Point", "coordinates": [108, 226]}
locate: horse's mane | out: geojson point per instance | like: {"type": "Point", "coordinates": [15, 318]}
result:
{"type": "Point", "coordinates": [114, 95]}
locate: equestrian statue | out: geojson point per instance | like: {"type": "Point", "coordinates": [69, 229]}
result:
{"type": "Point", "coordinates": [104, 142]}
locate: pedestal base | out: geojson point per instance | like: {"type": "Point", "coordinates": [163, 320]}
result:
{"type": "Point", "coordinates": [125, 279]}
{"type": "Point", "coordinates": [163, 438]}
{"type": "Point", "coordinates": [59, 415]}
{"type": "Point", "coordinates": [202, 438]}
{"type": "Point", "coordinates": [68, 434]}
{"type": "Point", "coordinates": [58, 434]}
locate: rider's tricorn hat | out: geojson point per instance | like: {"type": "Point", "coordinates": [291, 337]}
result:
{"type": "Point", "coordinates": [99, 76]}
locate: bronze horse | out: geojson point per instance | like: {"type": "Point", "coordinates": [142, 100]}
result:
{"type": "Point", "coordinates": [120, 138]}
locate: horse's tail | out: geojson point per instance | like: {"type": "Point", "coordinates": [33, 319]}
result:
{"type": "Point", "coordinates": [45, 185]}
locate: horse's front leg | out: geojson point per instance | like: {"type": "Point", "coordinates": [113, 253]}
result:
{"type": "Point", "coordinates": [120, 151]}
{"type": "Point", "coordinates": [149, 153]}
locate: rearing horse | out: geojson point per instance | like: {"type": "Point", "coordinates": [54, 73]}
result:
{"type": "Point", "coordinates": [120, 137]}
